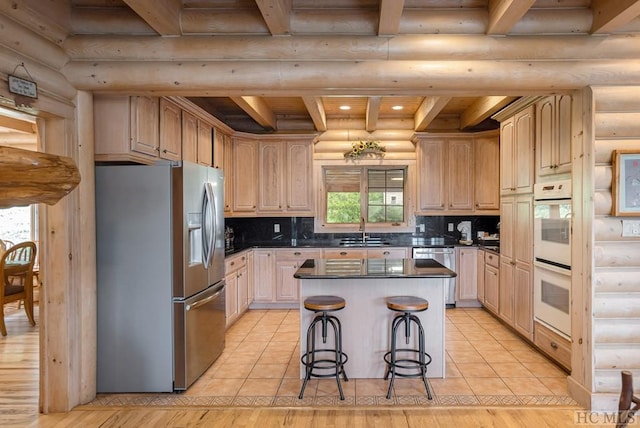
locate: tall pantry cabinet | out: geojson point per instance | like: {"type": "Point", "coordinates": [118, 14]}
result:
{"type": "Point", "coordinates": [515, 287]}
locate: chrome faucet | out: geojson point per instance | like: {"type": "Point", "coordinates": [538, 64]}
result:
{"type": "Point", "coordinates": [362, 229]}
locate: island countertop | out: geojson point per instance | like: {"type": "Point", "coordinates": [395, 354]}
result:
{"type": "Point", "coordinates": [372, 268]}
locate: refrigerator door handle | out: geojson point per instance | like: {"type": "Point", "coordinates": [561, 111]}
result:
{"type": "Point", "coordinates": [197, 304]}
{"type": "Point", "coordinates": [208, 226]}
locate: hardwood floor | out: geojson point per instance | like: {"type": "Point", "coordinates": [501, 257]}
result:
{"type": "Point", "coordinates": [19, 404]}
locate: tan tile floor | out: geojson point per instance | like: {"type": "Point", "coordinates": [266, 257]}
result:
{"type": "Point", "coordinates": [486, 364]}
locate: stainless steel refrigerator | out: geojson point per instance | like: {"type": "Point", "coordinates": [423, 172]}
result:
{"type": "Point", "coordinates": [160, 275]}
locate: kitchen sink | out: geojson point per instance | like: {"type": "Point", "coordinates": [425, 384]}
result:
{"type": "Point", "coordinates": [359, 242]}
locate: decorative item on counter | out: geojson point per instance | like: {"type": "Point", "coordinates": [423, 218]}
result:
{"type": "Point", "coordinates": [464, 227]}
{"type": "Point", "coordinates": [228, 239]}
{"type": "Point", "coordinates": [368, 148]}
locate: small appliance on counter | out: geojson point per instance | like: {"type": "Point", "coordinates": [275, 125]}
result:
{"type": "Point", "coordinates": [464, 227]}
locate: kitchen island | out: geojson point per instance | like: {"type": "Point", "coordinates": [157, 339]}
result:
{"type": "Point", "coordinates": [366, 321]}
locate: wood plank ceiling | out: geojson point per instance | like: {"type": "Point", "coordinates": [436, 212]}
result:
{"type": "Point", "coordinates": [309, 112]}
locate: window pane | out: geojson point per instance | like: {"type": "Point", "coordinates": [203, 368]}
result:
{"type": "Point", "coordinates": [343, 207]}
{"type": "Point", "coordinates": [385, 203]}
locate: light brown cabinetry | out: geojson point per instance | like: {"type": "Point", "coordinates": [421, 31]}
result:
{"type": "Point", "coordinates": [218, 148]}
{"type": "Point", "coordinates": [553, 135]}
{"type": "Point", "coordinates": [228, 174]}
{"type": "Point", "coordinates": [264, 276]}
{"type": "Point", "coordinates": [516, 257]}
{"type": "Point", "coordinates": [487, 172]}
{"type": "Point", "coordinates": [516, 154]}
{"type": "Point", "coordinates": [552, 344]}
{"type": "Point", "coordinates": [467, 279]}
{"type": "Point", "coordinates": [205, 143]}
{"type": "Point", "coordinates": [432, 174]}
{"type": "Point", "coordinates": [126, 128]}
{"type": "Point", "coordinates": [170, 130]}
{"type": "Point", "coordinates": [458, 175]}
{"type": "Point", "coordinates": [491, 282]}
{"type": "Point", "coordinates": [270, 171]}
{"type": "Point", "coordinates": [480, 272]}
{"type": "Point", "coordinates": [189, 137]}
{"type": "Point", "coordinates": [298, 177]}
{"type": "Point", "coordinates": [196, 139]}
{"type": "Point", "coordinates": [387, 253]}
{"type": "Point", "coordinates": [287, 263]}
{"type": "Point", "coordinates": [245, 178]}
{"type": "Point", "coordinates": [340, 253]}
{"type": "Point", "coordinates": [237, 286]}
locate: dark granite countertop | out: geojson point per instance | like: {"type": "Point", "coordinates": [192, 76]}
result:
{"type": "Point", "coordinates": [372, 268]}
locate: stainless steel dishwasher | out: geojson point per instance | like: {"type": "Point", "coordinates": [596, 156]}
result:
{"type": "Point", "coordinates": [445, 256]}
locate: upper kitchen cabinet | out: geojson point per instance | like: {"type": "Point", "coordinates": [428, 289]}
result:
{"type": "Point", "coordinates": [516, 153]}
{"type": "Point", "coordinates": [227, 167]}
{"type": "Point", "coordinates": [244, 176]}
{"type": "Point", "coordinates": [218, 148]}
{"type": "Point", "coordinates": [282, 183]}
{"type": "Point", "coordinates": [431, 154]}
{"type": "Point", "coordinates": [270, 166]}
{"type": "Point", "coordinates": [205, 143]}
{"type": "Point", "coordinates": [196, 139]}
{"type": "Point", "coordinates": [487, 172]}
{"type": "Point", "coordinates": [299, 178]}
{"type": "Point", "coordinates": [127, 128]}
{"type": "Point", "coordinates": [458, 174]}
{"type": "Point", "coordinates": [553, 135]}
{"type": "Point", "coordinates": [170, 130]}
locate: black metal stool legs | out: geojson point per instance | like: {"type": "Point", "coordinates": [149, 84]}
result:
{"type": "Point", "coordinates": [312, 361]}
{"type": "Point", "coordinates": [394, 363]}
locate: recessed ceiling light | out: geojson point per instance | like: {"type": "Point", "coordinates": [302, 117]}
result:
{"type": "Point", "coordinates": [345, 107]}
{"type": "Point", "coordinates": [397, 108]}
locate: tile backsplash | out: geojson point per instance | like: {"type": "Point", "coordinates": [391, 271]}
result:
{"type": "Point", "coordinates": [282, 230]}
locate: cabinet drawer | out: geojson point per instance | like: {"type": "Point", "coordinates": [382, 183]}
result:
{"type": "Point", "coordinates": [344, 254]}
{"type": "Point", "coordinates": [552, 344]}
{"type": "Point", "coordinates": [234, 263]}
{"type": "Point", "coordinates": [387, 253]}
{"type": "Point", "coordinates": [492, 259]}
{"type": "Point", "coordinates": [298, 254]}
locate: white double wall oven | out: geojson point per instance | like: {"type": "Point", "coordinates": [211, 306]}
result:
{"type": "Point", "coordinates": [552, 254]}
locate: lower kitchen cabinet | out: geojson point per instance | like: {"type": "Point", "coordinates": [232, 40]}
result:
{"type": "Point", "coordinates": [467, 279]}
{"type": "Point", "coordinates": [237, 286]}
{"type": "Point", "coordinates": [491, 282]}
{"type": "Point", "coordinates": [481, 270]}
{"type": "Point", "coordinates": [287, 263]}
{"type": "Point", "coordinates": [264, 277]}
{"type": "Point", "coordinates": [555, 346]}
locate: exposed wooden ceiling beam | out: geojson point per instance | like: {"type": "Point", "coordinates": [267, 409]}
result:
{"type": "Point", "coordinates": [609, 15]}
{"type": "Point", "coordinates": [428, 110]}
{"type": "Point", "coordinates": [504, 14]}
{"type": "Point", "coordinates": [483, 108]}
{"type": "Point", "coordinates": [373, 111]}
{"type": "Point", "coordinates": [390, 13]}
{"type": "Point", "coordinates": [162, 15]}
{"type": "Point", "coordinates": [277, 16]}
{"type": "Point", "coordinates": [17, 125]}
{"type": "Point", "coordinates": [316, 111]}
{"type": "Point", "coordinates": [258, 109]}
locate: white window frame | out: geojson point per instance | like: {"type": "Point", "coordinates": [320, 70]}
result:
{"type": "Point", "coordinates": [320, 225]}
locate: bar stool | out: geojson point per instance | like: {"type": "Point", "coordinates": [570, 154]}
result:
{"type": "Point", "coordinates": [323, 359]}
{"type": "Point", "coordinates": [417, 365]}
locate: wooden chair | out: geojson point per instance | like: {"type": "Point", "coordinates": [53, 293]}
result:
{"type": "Point", "coordinates": [16, 273]}
{"type": "Point", "coordinates": [625, 411]}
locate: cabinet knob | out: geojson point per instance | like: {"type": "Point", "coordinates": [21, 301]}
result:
{"type": "Point", "coordinates": [554, 345]}
{"type": "Point", "coordinates": [232, 263]}
{"type": "Point", "coordinates": [343, 253]}
{"type": "Point", "coordinates": [164, 151]}
{"type": "Point", "coordinates": [386, 253]}
{"type": "Point", "coordinates": [297, 253]}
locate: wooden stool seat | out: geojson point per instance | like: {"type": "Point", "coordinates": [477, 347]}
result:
{"type": "Point", "coordinates": [324, 303]}
{"type": "Point", "coordinates": [322, 361]}
{"type": "Point", "coordinates": [407, 304]}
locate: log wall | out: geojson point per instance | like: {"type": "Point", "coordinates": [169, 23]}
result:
{"type": "Point", "coordinates": [615, 266]}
